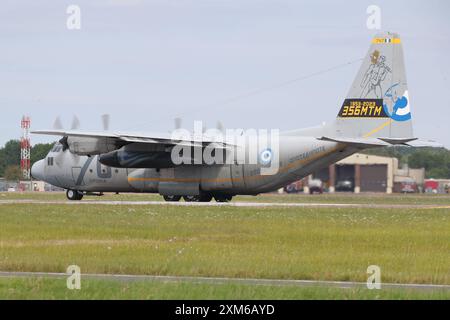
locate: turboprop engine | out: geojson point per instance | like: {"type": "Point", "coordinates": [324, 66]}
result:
{"type": "Point", "coordinates": [131, 156]}
{"type": "Point", "coordinates": [88, 146]}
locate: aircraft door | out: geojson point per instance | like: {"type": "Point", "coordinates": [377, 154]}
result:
{"type": "Point", "coordinates": [103, 172]}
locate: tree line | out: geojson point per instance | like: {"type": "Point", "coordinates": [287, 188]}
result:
{"type": "Point", "coordinates": [436, 161]}
{"type": "Point", "coordinates": [10, 158]}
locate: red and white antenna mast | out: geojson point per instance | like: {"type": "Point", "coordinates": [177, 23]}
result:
{"type": "Point", "coordinates": [25, 148]}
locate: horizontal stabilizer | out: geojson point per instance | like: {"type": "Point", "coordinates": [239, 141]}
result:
{"type": "Point", "coordinates": [383, 142]}
{"type": "Point", "coordinates": [398, 140]}
{"type": "Point", "coordinates": [360, 142]}
{"type": "Point", "coordinates": [425, 143]}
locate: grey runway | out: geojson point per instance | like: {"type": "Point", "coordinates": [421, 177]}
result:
{"type": "Point", "coordinates": [229, 204]}
{"type": "Point", "coordinates": [218, 281]}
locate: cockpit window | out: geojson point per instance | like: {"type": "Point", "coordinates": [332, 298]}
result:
{"type": "Point", "coordinates": [57, 148]}
{"type": "Point", "coordinates": [50, 161]}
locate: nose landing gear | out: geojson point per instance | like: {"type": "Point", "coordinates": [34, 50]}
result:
{"type": "Point", "coordinates": [74, 195]}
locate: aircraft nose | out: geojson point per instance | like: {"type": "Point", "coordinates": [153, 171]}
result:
{"type": "Point", "coordinates": [37, 170]}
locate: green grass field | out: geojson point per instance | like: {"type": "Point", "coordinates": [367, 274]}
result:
{"type": "Point", "coordinates": [410, 246]}
{"type": "Point", "coordinates": [41, 288]}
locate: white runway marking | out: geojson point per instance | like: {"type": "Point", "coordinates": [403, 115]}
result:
{"type": "Point", "coordinates": [216, 280]}
{"type": "Point", "coordinates": [228, 204]}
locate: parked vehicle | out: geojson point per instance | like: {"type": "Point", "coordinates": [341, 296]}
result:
{"type": "Point", "coordinates": [294, 187]}
{"type": "Point", "coordinates": [315, 186]}
{"type": "Point", "coordinates": [409, 187]}
{"type": "Point", "coordinates": [431, 186]}
{"type": "Point", "coordinates": [345, 185]}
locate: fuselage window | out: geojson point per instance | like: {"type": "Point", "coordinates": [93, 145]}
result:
{"type": "Point", "coordinates": [50, 161]}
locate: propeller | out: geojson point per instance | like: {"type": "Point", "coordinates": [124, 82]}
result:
{"type": "Point", "coordinates": [220, 127]}
{"type": "Point", "coordinates": [105, 121]}
{"type": "Point", "coordinates": [75, 123]}
{"type": "Point", "coordinates": [64, 143]}
{"type": "Point", "coordinates": [57, 125]}
{"type": "Point", "coordinates": [177, 122]}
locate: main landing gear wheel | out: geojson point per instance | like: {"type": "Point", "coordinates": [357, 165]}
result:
{"type": "Point", "coordinates": [206, 197]}
{"type": "Point", "coordinates": [191, 198]}
{"type": "Point", "coordinates": [172, 198]}
{"type": "Point", "coordinates": [74, 195]}
{"type": "Point", "coordinates": [223, 198]}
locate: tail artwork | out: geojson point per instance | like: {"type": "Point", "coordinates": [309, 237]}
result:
{"type": "Point", "coordinates": [377, 109]}
{"type": "Point", "coordinates": [379, 94]}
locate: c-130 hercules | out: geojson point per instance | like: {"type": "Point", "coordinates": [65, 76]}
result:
{"type": "Point", "coordinates": [376, 112]}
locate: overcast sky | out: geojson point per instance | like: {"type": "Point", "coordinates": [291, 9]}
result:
{"type": "Point", "coordinates": [146, 62]}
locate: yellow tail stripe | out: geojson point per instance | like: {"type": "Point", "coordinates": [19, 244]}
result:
{"type": "Point", "coordinates": [368, 134]}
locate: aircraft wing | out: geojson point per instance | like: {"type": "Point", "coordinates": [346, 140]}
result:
{"type": "Point", "coordinates": [75, 133]}
{"type": "Point", "coordinates": [93, 143]}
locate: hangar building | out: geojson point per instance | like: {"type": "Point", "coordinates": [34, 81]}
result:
{"type": "Point", "coordinates": [369, 173]}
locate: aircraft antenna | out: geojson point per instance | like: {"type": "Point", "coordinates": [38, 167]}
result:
{"type": "Point", "coordinates": [258, 91]}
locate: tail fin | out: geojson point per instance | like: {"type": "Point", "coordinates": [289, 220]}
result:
{"type": "Point", "coordinates": [377, 105]}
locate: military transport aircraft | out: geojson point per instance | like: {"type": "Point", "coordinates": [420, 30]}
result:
{"type": "Point", "coordinates": [376, 112]}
